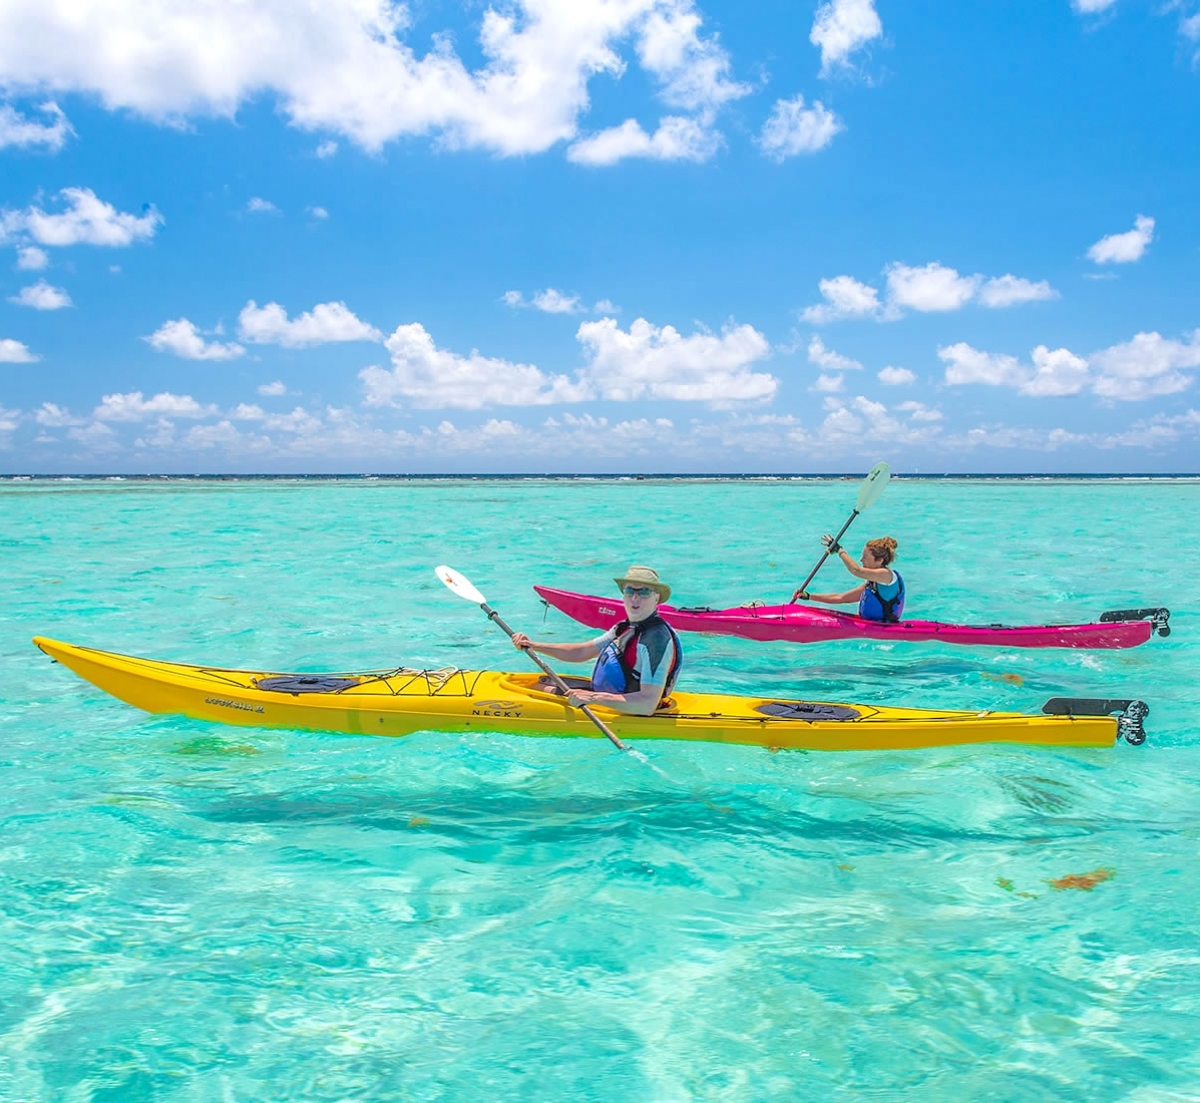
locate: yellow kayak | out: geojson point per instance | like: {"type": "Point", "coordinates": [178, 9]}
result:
{"type": "Point", "coordinates": [401, 701]}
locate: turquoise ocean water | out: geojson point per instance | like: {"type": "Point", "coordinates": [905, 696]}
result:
{"type": "Point", "coordinates": [194, 912]}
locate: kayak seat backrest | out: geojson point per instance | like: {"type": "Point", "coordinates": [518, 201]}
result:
{"type": "Point", "coordinates": [806, 710]}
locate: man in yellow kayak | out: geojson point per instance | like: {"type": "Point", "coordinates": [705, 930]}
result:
{"type": "Point", "coordinates": [637, 660]}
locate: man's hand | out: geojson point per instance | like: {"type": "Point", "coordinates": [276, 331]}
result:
{"type": "Point", "coordinates": [577, 698]}
{"type": "Point", "coordinates": [799, 595]}
{"type": "Point", "coordinates": [521, 641]}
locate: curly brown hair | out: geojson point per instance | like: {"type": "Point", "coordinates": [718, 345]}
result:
{"type": "Point", "coordinates": [884, 548]}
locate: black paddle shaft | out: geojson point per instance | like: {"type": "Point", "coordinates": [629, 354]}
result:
{"type": "Point", "coordinates": [821, 561]}
{"type": "Point", "coordinates": [493, 615]}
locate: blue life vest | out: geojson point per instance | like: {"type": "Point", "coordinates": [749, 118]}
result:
{"type": "Point", "coordinates": [616, 666]}
{"type": "Point", "coordinates": [873, 606]}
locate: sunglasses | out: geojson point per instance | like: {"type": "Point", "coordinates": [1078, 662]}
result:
{"type": "Point", "coordinates": [637, 591]}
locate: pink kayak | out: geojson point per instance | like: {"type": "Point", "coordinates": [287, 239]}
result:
{"type": "Point", "coordinates": [804, 624]}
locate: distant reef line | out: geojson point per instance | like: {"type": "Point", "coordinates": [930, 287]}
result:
{"type": "Point", "coordinates": [552, 476]}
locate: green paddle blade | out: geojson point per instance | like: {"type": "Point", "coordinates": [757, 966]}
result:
{"type": "Point", "coordinates": [872, 487]}
{"type": "Point", "coordinates": [459, 584]}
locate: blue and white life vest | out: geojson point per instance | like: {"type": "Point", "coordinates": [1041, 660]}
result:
{"type": "Point", "coordinates": [616, 667]}
{"type": "Point", "coordinates": [874, 606]}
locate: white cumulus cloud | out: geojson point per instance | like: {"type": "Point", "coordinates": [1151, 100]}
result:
{"type": "Point", "coordinates": [423, 375]}
{"type": "Point", "coordinates": [1056, 372]}
{"type": "Point", "coordinates": [1127, 247]}
{"type": "Point", "coordinates": [32, 259]}
{"type": "Point", "coordinates": [895, 377]}
{"type": "Point", "coordinates": [14, 352]}
{"type": "Point", "coordinates": [1092, 7]}
{"type": "Point", "coordinates": [1144, 367]}
{"type": "Point", "coordinates": [1011, 290]}
{"type": "Point", "coordinates": [827, 359]}
{"type": "Point", "coordinates": [183, 339]}
{"type": "Point", "coordinates": [965, 364]}
{"type": "Point", "coordinates": [17, 130]}
{"type": "Point", "coordinates": [55, 417]}
{"type": "Point", "coordinates": [676, 139]}
{"type": "Point", "coordinates": [325, 323]}
{"type": "Point", "coordinates": [932, 287]}
{"type": "Point", "coordinates": [272, 390]}
{"type": "Point", "coordinates": [850, 421]}
{"type": "Point", "coordinates": [845, 297]}
{"type": "Point", "coordinates": [134, 407]}
{"type": "Point", "coordinates": [41, 296]}
{"type": "Point", "coordinates": [88, 220]}
{"type": "Point", "coordinates": [343, 67]}
{"type": "Point", "coordinates": [1147, 365]}
{"type": "Point", "coordinates": [549, 301]}
{"type": "Point", "coordinates": [927, 288]}
{"type": "Point", "coordinates": [841, 27]}
{"type": "Point", "coordinates": [649, 361]}
{"type": "Point", "coordinates": [258, 205]}
{"type": "Point", "coordinates": [792, 129]}
{"type": "Point", "coordinates": [918, 411]}
{"type": "Point", "coordinates": [693, 71]}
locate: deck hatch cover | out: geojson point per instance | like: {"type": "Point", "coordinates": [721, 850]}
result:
{"type": "Point", "coordinates": [806, 710]}
{"type": "Point", "coordinates": [305, 683]}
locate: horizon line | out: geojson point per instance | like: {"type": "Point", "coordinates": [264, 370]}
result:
{"type": "Point", "coordinates": [631, 475]}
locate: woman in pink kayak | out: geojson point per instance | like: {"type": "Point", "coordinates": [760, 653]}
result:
{"type": "Point", "coordinates": [881, 595]}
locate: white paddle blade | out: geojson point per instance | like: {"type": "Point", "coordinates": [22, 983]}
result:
{"type": "Point", "coordinates": [460, 584]}
{"type": "Point", "coordinates": [873, 486]}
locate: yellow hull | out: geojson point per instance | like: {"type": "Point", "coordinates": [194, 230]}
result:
{"type": "Point", "coordinates": [405, 701]}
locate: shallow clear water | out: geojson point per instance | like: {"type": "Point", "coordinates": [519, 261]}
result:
{"type": "Point", "coordinates": [193, 912]}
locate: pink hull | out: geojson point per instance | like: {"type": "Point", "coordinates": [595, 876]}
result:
{"type": "Point", "coordinates": [804, 624]}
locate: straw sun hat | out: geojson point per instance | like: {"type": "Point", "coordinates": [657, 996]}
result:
{"type": "Point", "coordinates": [645, 576]}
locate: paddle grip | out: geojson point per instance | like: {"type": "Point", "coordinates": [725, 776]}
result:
{"type": "Point", "coordinates": [550, 672]}
{"type": "Point", "coordinates": [820, 562]}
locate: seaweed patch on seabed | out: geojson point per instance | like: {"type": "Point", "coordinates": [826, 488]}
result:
{"type": "Point", "coordinates": [1008, 679]}
{"type": "Point", "coordinates": [1083, 881]}
{"type": "Point", "coordinates": [1006, 884]}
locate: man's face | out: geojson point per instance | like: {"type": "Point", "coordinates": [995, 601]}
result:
{"type": "Point", "coordinates": [640, 601]}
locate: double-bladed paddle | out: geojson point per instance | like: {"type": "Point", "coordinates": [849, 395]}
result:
{"type": "Point", "coordinates": [868, 494]}
{"type": "Point", "coordinates": [462, 586]}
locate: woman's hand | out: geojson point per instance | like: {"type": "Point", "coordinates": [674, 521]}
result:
{"type": "Point", "coordinates": [522, 641]}
{"type": "Point", "coordinates": [799, 595]}
{"type": "Point", "coordinates": [831, 545]}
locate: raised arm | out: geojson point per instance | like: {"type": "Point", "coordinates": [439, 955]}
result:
{"type": "Point", "coordinates": [868, 574]}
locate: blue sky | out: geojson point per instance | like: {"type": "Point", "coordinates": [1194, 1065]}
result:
{"type": "Point", "coordinates": [599, 235]}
